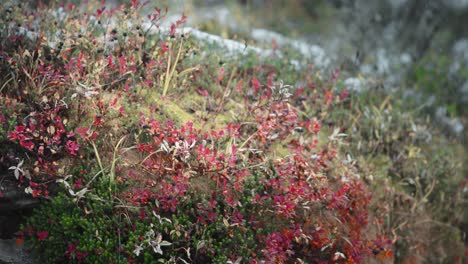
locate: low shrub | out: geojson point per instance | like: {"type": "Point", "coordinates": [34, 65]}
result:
{"type": "Point", "coordinates": [160, 180]}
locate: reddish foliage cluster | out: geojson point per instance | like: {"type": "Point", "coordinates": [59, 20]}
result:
{"type": "Point", "coordinates": [43, 134]}
{"type": "Point", "coordinates": [286, 196]}
{"type": "Point", "coordinates": [293, 204]}
{"type": "Point", "coordinates": [74, 253]}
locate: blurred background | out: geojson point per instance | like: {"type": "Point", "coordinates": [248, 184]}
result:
{"type": "Point", "coordinates": [416, 44]}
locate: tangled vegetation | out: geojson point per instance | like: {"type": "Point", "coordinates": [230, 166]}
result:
{"type": "Point", "coordinates": [147, 148]}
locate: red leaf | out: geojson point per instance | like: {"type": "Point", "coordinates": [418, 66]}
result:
{"type": "Point", "coordinates": [220, 74]}
{"type": "Point", "coordinates": [177, 23]}
{"type": "Point", "coordinates": [83, 132]}
{"type": "Point", "coordinates": [100, 11]}
{"type": "Point", "coordinates": [202, 92]}
{"type": "Point", "coordinates": [72, 147]}
{"type": "Point", "coordinates": [41, 236]}
{"type": "Point", "coordinates": [256, 84]}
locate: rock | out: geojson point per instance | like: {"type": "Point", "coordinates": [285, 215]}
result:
{"type": "Point", "coordinates": [383, 62]}
{"type": "Point", "coordinates": [366, 69]}
{"type": "Point", "coordinates": [11, 253]}
{"type": "Point", "coordinates": [313, 52]}
{"type": "Point", "coordinates": [220, 14]}
{"type": "Point", "coordinates": [235, 48]}
{"type": "Point", "coordinates": [231, 47]}
{"type": "Point", "coordinates": [460, 49]}
{"type": "Point", "coordinates": [15, 204]}
{"type": "Point", "coordinates": [310, 52]}
{"type": "Point", "coordinates": [14, 198]}
{"type": "Point", "coordinates": [464, 92]}
{"type": "Point", "coordinates": [456, 4]}
{"type": "Point", "coordinates": [405, 58]}
{"type": "Point", "coordinates": [457, 127]}
{"type": "Point", "coordinates": [354, 84]}
{"type": "Point", "coordinates": [454, 125]}
{"type": "Point", "coordinates": [396, 4]}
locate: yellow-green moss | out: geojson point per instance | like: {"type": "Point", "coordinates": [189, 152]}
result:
{"type": "Point", "coordinates": [176, 113]}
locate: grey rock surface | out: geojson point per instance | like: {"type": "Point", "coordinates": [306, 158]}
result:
{"type": "Point", "coordinates": [460, 49]}
{"type": "Point", "coordinates": [457, 4]}
{"type": "Point", "coordinates": [11, 253]}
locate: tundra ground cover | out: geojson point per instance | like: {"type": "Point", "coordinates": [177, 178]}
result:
{"type": "Point", "coordinates": [148, 148]}
{"type": "Point", "coordinates": [394, 136]}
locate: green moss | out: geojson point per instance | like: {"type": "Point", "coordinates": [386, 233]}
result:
{"type": "Point", "coordinates": [280, 150]}
{"type": "Point", "coordinates": [176, 113]}
{"type": "Point", "coordinates": [380, 164]}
